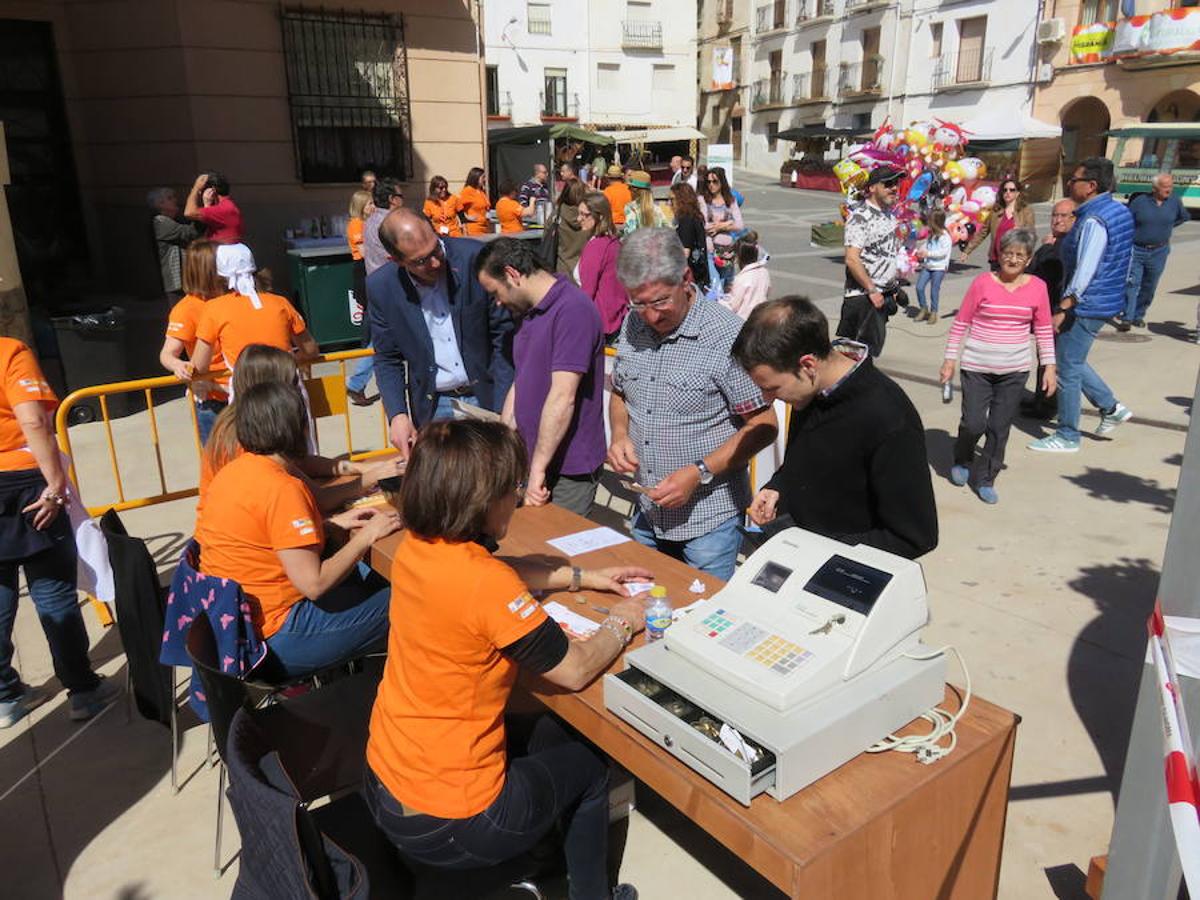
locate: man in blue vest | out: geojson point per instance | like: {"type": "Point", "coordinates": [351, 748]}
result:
{"type": "Point", "coordinates": [1095, 256]}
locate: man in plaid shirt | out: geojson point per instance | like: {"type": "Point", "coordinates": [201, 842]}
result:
{"type": "Point", "coordinates": [686, 419]}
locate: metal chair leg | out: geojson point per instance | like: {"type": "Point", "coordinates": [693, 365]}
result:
{"type": "Point", "coordinates": [208, 749]}
{"type": "Point", "coordinates": [174, 733]}
{"type": "Point", "coordinates": [220, 818]}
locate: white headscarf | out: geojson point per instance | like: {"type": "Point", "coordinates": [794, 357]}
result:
{"type": "Point", "coordinates": [235, 263]}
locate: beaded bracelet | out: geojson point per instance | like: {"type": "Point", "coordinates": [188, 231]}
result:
{"type": "Point", "coordinates": [619, 628]}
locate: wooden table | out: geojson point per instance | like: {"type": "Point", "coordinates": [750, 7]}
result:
{"type": "Point", "coordinates": [881, 826]}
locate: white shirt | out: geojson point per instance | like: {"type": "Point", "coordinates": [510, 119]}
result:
{"type": "Point", "coordinates": [435, 307]}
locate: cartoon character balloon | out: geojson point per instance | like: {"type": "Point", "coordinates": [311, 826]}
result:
{"type": "Point", "coordinates": [849, 174]}
{"type": "Point", "coordinates": [948, 136]}
{"type": "Point", "coordinates": [973, 168]}
{"type": "Point", "coordinates": [985, 196]}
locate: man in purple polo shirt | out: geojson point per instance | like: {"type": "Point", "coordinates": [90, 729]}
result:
{"type": "Point", "coordinates": [557, 398]}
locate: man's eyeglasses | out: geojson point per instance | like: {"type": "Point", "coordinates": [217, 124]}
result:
{"type": "Point", "coordinates": [1015, 257]}
{"type": "Point", "coordinates": [660, 303]}
{"type": "Point", "coordinates": [438, 252]}
{"type": "Point", "coordinates": [1075, 178]}
{"type": "Point", "coordinates": [1069, 215]}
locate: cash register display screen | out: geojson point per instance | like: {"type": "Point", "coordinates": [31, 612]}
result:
{"type": "Point", "coordinates": [848, 583]}
{"type": "Point", "coordinates": [772, 576]}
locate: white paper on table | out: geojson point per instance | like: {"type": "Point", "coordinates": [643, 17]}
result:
{"type": "Point", "coordinates": [586, 541]}
{"type": "Point", "coordinates": [678, 614]}
{"type": "Point", "coordinates": [638, 587]}
{"type": "Point", "coordinates": [575, 625]}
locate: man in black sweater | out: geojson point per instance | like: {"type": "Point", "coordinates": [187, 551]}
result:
{"type": "Point", "coordinates": [855, 468]}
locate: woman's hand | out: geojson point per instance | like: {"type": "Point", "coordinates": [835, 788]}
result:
{"type": "Point", "coordinates": [45, 509]}
{"type": "Point", "coordinates": [633, 611]}
{"type": "Point", "coordinates": [614, 578]}
{"type": "Point", "coordinates": [947, 372]}
{"type": "Point", "coordinates": [182, 369]}
{"type": "Point", "coordinates": [1050, 380]}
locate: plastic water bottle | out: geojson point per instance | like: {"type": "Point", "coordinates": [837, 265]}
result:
{"type": "Point", "coordinates": [947, 392]}
{"type": "Point", "coordinates": [658, 614]}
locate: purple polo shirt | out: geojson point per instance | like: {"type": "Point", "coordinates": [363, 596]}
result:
{"type": "Point", "coordinates": [562, 334]}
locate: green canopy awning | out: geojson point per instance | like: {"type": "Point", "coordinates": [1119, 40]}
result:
{"type": "Point", "coordinates": [531, 134]}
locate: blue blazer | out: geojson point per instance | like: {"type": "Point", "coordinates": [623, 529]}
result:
{"type": "Point", "coordinates": [405, 367]}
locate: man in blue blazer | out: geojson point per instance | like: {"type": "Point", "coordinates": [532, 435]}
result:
{"type": "Point", "coordinates": [437, 335]}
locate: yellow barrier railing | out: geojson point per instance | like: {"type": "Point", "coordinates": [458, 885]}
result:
{"type": "Point", "coordinates": [327, 396]}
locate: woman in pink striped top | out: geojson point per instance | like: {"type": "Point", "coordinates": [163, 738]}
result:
{"type": "Point", "coordinates": [991, 333]}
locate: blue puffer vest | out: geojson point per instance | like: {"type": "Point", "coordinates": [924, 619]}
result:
{"type": "Point", "coordinates": [1105, 296]}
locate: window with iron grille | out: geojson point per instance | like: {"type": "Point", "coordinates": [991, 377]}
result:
{"type": "Point", "coordinates": [348, 92]}
{"type": "Point", "coordinates": [493, 90]}
{"type": "Point", "coordinates": [554, 101]}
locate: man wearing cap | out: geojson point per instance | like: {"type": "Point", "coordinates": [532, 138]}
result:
{"type": "Point", "coordinates": [871, 248]}
{"type": "Point", "coordinates": [618, 194]}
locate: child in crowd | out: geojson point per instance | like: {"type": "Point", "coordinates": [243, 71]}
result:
{"type": "Point", "coordinates": [934, 254]}
{"type": "Point", "coordinates": [752, 283]}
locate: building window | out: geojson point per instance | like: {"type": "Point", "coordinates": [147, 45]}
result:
{"type": "Point", "coordinates": [663, 78]}
{"type": "Point", "coordinates": [935, 40]}
{"type": "Point", "coordinates": [972, 35]}
{"type": "Point", "coordinates": [554, 97]}
{"type": "Point", "coordinates": [772, 136]}
{"type": "Point", "coordinates": [716, 115]}
{"type": "Point", "coordinates": [1093, 11]}
{"type": "Point", "coordinates": [493, 90]}
{"type": "Point", "coordinates": [608, 76]}
{"type": "Point", "coordinates": [537, 18]}
{"type": "Point", "coordinates": [736, 44]}
{"type": "Point", "coordinates": [872, 71]}
{"type": "Point", "coordinates": [347, 78]}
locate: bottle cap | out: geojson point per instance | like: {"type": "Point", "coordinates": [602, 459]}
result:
{"type": "Point", "coordinates": [658, 591]}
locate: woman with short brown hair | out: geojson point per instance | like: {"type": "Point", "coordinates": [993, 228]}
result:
{"type": "Point", "coordinates": [439, 781]}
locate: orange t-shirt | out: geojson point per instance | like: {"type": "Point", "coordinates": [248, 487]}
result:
{"type": "Point", "coordinates": [181, 325]}
{"type": "Point", "coordinates": [618, 195]}
{"type": "Point", "coordinates": [474, 203]}
{"type": "Point", "coordinates": [21, 380]}
{"type": "Point", "coordinates": [354, 237]}
{"type": "Point", "coordinates": [254, 509]}
{"type": "Point", "coordinates": [508, 214]}
{"type": "Point", "coordinates": [207, 474]}
{"type": "Point", "coordinates": [232, 321]}
{"type": "Point", "coordinates": [443, 215]}
{"type": "Point", "coordinates": [437, 728]}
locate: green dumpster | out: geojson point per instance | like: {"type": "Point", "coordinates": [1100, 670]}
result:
{"type": "Point", "coordinates": [323, 278]}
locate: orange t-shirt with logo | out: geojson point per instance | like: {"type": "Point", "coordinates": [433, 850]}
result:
{"type": "Point", "coordinates": [181, 325]}
{"type": "Point", "coordinates": [354, 237]}
{"type": "Point", "coordinates": [232, 322]}
{"type": "Point", "coordinates": [253, 509]}
{"type": "Point", "coordinates": [618, 194]}
{"type": "Point", "coordinates": [474, 202]}
{"type": "Point", "coordinates": [21, 381]}
{"type": "Point", "coordinates": [443, 215]}
{"type": "Point", "coordinates": [508, 214]}
{"type": "Point", "coordinates": [437, 728]}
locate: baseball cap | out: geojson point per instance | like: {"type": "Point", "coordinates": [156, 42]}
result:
{"type": "Point", "coordinates": [884, 175]}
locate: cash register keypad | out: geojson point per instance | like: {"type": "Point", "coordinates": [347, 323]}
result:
{"type": "Point", "coordinates": [755, 644]}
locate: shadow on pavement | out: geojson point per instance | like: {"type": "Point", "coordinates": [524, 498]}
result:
{"type": "Point", "coordinates": [1182, 402]}
{"type": "Point", "coordinates": [1178, 331]}
{"type": "Point", "coordinates": [1067, 882]}
{"type": "Point", "coordinates": [1105, 664]}
{"type": "Point", "coordinates": [939, 447]}
{"type": "Point", "coordinates": [1123, 487]}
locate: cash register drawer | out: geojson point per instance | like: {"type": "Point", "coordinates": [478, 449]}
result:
{"type": "Point", "coordinates": [688, 732]}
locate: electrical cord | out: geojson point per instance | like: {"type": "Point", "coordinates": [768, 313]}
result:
{"type": "Point", "coordinates": [928, 748]}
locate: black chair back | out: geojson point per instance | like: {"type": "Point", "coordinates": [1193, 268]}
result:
{"type": "Point", "coordinates": [225, 694]}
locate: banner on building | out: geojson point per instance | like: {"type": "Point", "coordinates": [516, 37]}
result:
{"type": "Point", "coordinates": [722, 69]}
{"type": "Point", "coordinates": [1163, 33]}
{"type": "Point", "coordinates": [1092, 43]}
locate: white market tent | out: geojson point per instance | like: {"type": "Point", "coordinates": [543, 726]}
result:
{"type": "Point", "coordinates": [1008, 125]}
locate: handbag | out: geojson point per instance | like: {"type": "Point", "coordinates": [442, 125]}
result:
{"type": "Point", "coordinates": [548, 246]}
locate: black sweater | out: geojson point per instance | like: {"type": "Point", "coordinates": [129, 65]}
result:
{"type": "Point", "coordinates": [856, 468]}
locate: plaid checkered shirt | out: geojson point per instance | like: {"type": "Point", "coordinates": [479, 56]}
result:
{"type": "Point", "coordinates": [686, 397]}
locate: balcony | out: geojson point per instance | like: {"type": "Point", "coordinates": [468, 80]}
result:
{"type": "Point", "coordinates": [538, 22]}
{"type": "Point", "coordinates": [863, 5]}
{"type": "Point", "coordinates": [857, 79]}
{"type": "Point", "coordinates": [963, 70]}
{"type": "Point", "coordinates": [769, 93]}
{"type": "Point", "coordinates": [642, 35]}
{"type": "Point", "coordinates": [810, 87]}
{"type": "Point", "coordinates": [558, 107]}
{"type": "Point", "coordinates": [724, 13]}
{"type": "Point", "coordinates": [812, 10]}
{"type": "Point", "coordinates": [771, 17]}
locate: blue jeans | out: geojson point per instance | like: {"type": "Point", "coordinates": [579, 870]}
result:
{"type": "Point", "coordinates": [1075, 376]}
{"type": "Point", "coordinates": [206, 416]}
{"type": "Point", "coordinates": [445, 405]}
{"type": "Point", "coordinates": [1145, 268]}
{"type": "Point", "coordinates": [360, 374]}
{"type": "Point", "coordinates": [349, 620]}
{"type": "Point", "coordinates": [933, 278]}
{"type": "Point", "coordinates": [52, 577]}
{"type": "Point", "coordinates": [714, 553]}
{"type": "Point", "coordinates": [560, 780]}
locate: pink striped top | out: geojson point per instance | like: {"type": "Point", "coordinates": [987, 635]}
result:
{"type": "Point", "coordinates": [996, 324]}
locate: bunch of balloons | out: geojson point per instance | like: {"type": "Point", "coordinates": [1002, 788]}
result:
{"type": "Point", "coordinates": [937, 174]}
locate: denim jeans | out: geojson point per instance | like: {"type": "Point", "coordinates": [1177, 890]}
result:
{"type": "Point", "coordinates": [560, 779]}
{"type": "Point", "coordinates": [206, 416]}
{"type": "Point", "coordinates": [360, 374]}
{"type": "Point", "coordinates": [349, 620]}
{"type": "Point", "coordinates": [933, 278]}
{"type": "Point", "coordinates": [1145, 268]}
{"type": "Point", "coordinates": [51, 575]}
{"type": "Point", "coordinates": [714, 553]}
{"type": "Point", "coordinates": [445, 405]}
{"type": "Point", "coordinates": [1071, 349]}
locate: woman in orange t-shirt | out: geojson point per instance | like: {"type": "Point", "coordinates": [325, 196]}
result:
{"type": "Point", "coordinates": [509, 212]}
{"type": "Point", "coordinates": [35, 536]}
{"type": "Point", "coordinates": [261, 527]}
{"type": "Point", "coordinates": [246, 315]}
{"type": "Point", "coordinates": [200, 284]}
{"type": "Point", "coordinates": [474, 204]}
{"type": "Point", "coordinates": [441, 208]}
{"type": "Point", "coordinates": [439, 782]}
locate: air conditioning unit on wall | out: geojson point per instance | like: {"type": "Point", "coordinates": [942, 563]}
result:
{"type": "Point", "coordinates": [1051, 31]}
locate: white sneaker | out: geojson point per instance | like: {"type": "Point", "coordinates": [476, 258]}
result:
{"type": "Point", "coordinates": [1054, 444]}
{"type": "Point", "coordinates": [13, 711]}
{"type": "Point", "coordinates": [1109, 421]}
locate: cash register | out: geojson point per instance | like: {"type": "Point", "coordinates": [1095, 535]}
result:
{"type": "Point", "coordinates": [801, 662]}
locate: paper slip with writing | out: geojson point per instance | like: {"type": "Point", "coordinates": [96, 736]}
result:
{"type": "Point", "coordinates": [586, 541]}
{"type": "Point", "coordinates": [575, 625]}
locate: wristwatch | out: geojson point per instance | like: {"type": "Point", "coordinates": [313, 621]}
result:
{"type": "Point", "coordinates": [706, 475]}
{"type": "Point", "coordinates": [576, 579]}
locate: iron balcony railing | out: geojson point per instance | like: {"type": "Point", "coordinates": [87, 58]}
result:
{"type": "Point", "coordinates": [809, 85]}
{"type": "Point", "coordinates": [859, 78]}
{"type": "Point", "coordinates": [771, 16]}
{"type": "Point", "coordinates": [965, 67]}
{"type": "Point", "coordinates": [641, 35]}
{"type": "Point", "coordinates": [557, 105]}
{"type": "Point", "coordinates": [769, 91]}
{"type": "Point", "coordinates": [538, 21]}
{"type": "Point", "coordinates": [813, 9]}
{"type": "Point", "coordinates": [724, 12]}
